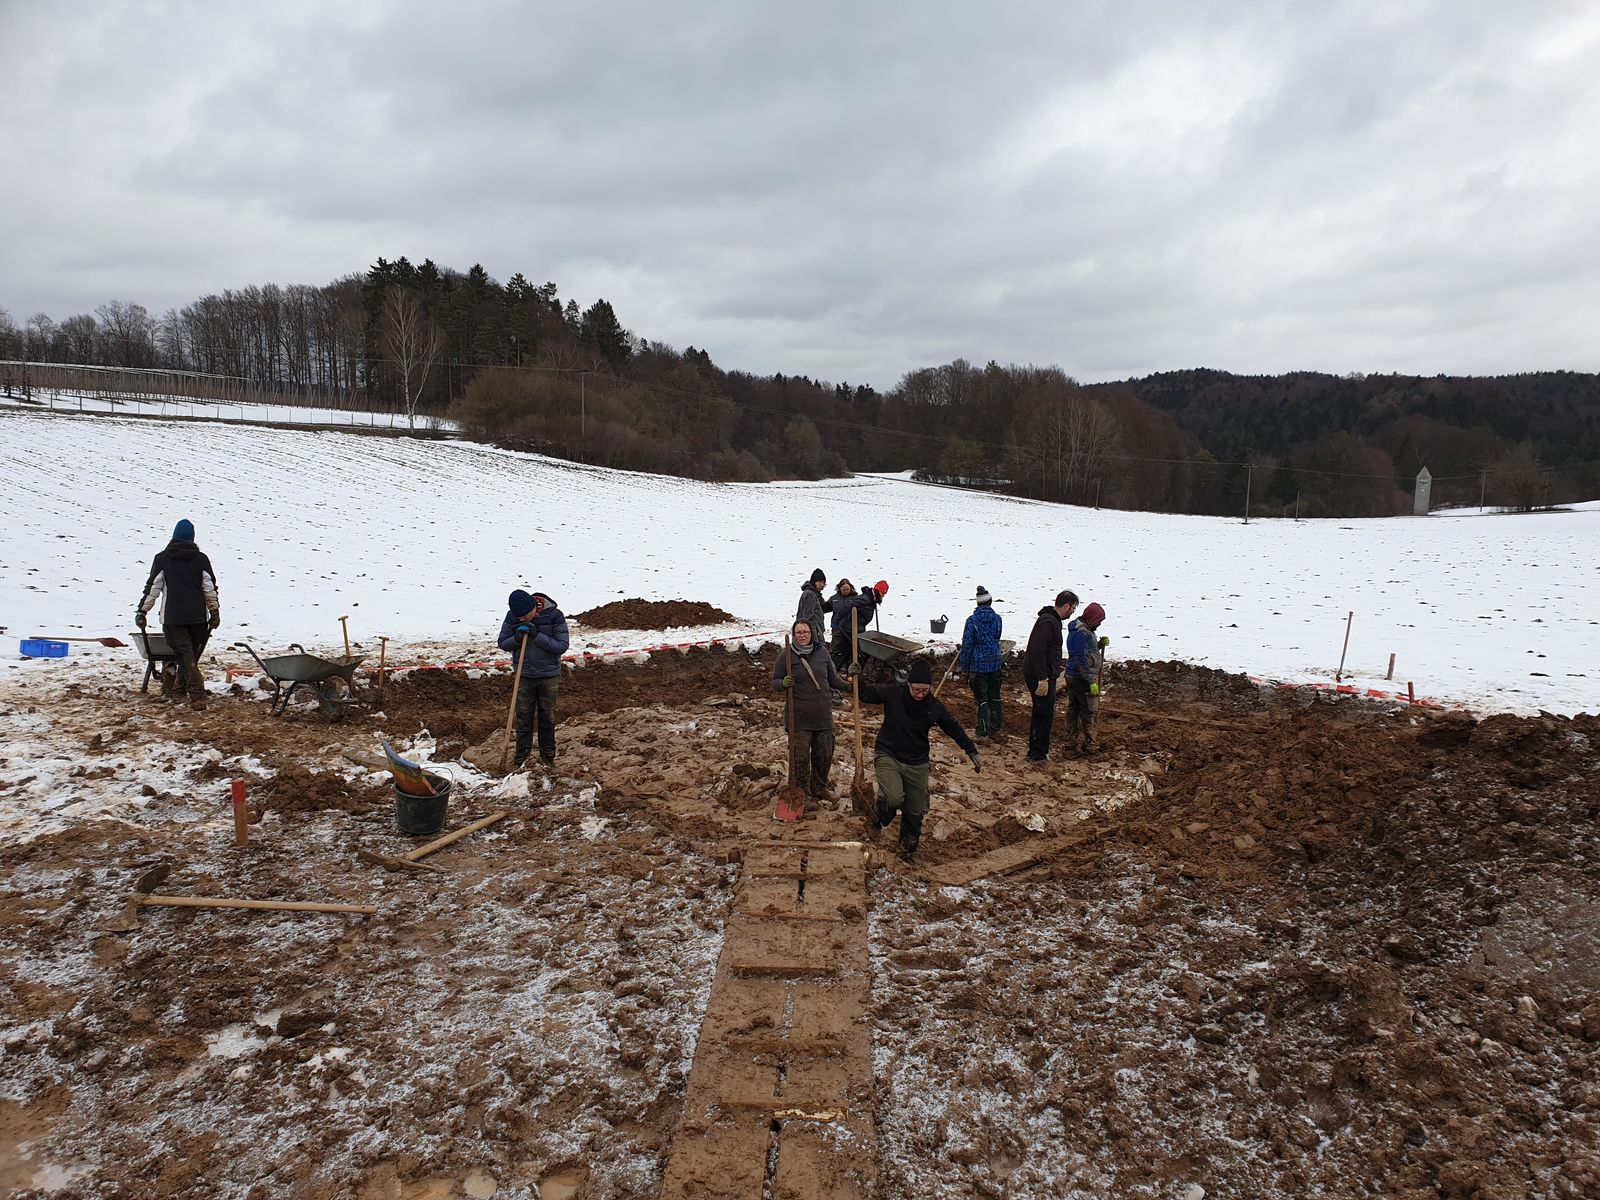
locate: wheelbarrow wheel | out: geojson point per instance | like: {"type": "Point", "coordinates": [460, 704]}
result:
{"type": "Point", "coordinates": [336, 696]}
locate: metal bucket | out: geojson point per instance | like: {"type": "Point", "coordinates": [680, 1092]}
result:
{"type": "Point", "coordinates": [419, 815]}
{"type": "Point", "coordinates": [938, 626]}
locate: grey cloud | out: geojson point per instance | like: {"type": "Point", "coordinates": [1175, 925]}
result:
{"type": "Point", "coordinates": [848, 191]}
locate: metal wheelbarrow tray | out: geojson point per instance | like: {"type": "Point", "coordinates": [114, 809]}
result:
{"type": "Point", "coordinates": [333, 684]}
{"type": "Point", "coordinates": [885, 646]}
{"type": "Point", "coordinates": [160, 660]}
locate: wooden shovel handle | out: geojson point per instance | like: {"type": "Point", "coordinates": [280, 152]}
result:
{"type": "Point", "coordinates": [267, 905]}
{"type": "Point", "coordinates": [441, 843]}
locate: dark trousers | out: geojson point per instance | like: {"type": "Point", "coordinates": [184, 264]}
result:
{"type": "Point", "coordinates": [810, 760]}
{"type": "Point", "coordinates": [188, 642]}
{"type": "Point", "coordinates": [1044, 712]}
{"type": "Point", "coordinates": [986, 700]}
{"type": "Point", "coordinates": [840, 649]}
{"type": "Point", "coordinates": [1081, 707]}
{"type": "Point", "coordinates": [537, 695]}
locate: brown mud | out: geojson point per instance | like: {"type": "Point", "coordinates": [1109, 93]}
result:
{"type": "Point", "coordinates": [1267, 943]}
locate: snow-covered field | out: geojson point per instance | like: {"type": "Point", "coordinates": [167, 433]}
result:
{"type": "Point", "coordinates": [423, 540]}
{"type": "Point", "coordinates": [179, 406]}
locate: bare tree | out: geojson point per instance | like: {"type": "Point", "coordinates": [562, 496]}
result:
{"type": "Point", "coordinates": [412, 342]}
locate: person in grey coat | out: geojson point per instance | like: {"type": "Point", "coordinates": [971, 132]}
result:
{"type": "Point", "coordinates": [808, 677]}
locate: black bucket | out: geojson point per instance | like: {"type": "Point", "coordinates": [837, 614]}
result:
{"type": "Point", "coordinates": [419, 815]}
{"type": "Point", "coordinates": [938, 626]}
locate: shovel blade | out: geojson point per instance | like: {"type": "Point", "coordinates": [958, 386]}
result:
{"type": "Point", "coordinates": [790, 805]}
{"type": "Point", "coordinates": [126, 921]}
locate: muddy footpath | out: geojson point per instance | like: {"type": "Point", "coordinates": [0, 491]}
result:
{"type": "Point", "coordinates": [1267, 943]}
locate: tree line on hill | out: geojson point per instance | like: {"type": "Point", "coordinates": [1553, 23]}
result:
{"type": "Point", "coordinates": [514, 364]}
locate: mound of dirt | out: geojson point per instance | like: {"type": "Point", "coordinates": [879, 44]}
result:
{"type": "Point", "coordinates": [652, 614]}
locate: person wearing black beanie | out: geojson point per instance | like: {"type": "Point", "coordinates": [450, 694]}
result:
{"type": "Point", "coordinates": [535, 631]}
{"type": "Point", "coordinates": [901, 762]}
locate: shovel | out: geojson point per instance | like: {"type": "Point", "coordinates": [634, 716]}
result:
{"type": "Point", "coordinates": [115, 643]}
{"type": "Point", "coordinates": [862, 796]}
{"type": "Point", "coordinates": [128, 919]}
{"type": "Point", "coordinates": [791, 802]}
{"type": "Point", "coordinates": [511, 712]}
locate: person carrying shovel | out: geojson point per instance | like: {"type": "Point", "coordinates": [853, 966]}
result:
{"type": "Point", "coordinates": [1085, 653]}
{"type": "Point", "coordinates": [535, 631]}
{"type": "Point", "coordinates": [809, 676]}
{"type": "Point", "coordinates": [910, 710]}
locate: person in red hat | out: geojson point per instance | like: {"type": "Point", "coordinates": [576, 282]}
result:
{"type": "Point", "coordinates": [1085, 651]}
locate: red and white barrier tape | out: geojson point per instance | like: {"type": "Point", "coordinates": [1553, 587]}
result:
{"type": "Point", "coordinates": [1349, 689]}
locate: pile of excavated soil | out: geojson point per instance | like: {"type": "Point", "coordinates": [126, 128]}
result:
{"type": "Point", "coordinates": [652, 614]}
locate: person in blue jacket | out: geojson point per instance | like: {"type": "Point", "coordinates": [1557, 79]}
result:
{"type": "Point", "coordinates": [1084, 654]}
{"type": "Point", "coordinates": [534, 618]}
{"type": "Point", "coordinates": [980, 662]}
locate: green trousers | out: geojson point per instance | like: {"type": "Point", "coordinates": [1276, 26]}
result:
{"type": "Point", "coordinates": [986, 700]}
{"type": "Point", "coordinates": [901, 785]}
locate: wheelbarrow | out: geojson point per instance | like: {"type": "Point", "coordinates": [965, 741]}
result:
{"type": "Point", "coordinates": [886, 649]}
{"type": "Point", "coordinates": [160, 660]}
{"type": "Point", "coordinates": [332, 684]}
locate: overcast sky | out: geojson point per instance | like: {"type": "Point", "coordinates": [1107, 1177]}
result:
{"type": "Point", "coordinates": [847, 191]}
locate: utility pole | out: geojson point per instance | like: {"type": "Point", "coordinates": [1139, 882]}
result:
{"type": "Point", "coordinates": [583, 406]}
{"type": "Point", "coordinates": [1483, 487]}
{"type": "Point", "coordinates": [1097, 494]}
{"type": "Point", "coordinates": [1297, 504]}
{"type": "Point", "coordinates": [1249, 474]}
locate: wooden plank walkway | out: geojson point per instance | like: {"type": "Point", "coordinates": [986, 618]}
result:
{"type": "Point", "coordinates": [779, 1099]}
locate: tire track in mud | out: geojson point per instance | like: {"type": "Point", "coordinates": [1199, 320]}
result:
{"type": "Point", "coordinates": [779, 1098]}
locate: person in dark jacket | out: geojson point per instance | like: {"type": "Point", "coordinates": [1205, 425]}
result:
{"type": "Point", "coordinates": [812, 605]}
{"type": "Point", "coordinates": [1084, 650]}
{"type": "Point", "coordinates": [809, 678]}
{"type": "Point", "coordinates": [182, 578]}
{"type": "Point", "coordinates": [980, 661]}
{"type": "Point", "coordinates": [1041, 665]}
{"type": "Point", "coordinates": [534, 618]}
{"type": "Point", "coordinates": [845, 601]}
{"type": "Point", "coordinates": [901, 761]}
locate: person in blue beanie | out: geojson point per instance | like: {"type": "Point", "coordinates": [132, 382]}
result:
{"type": "Point", "coordinates": [182, 578]}
{"type": "Point", "coordinates": [533, 617]}
{"type": "Point", "coordinates": [980, 662]}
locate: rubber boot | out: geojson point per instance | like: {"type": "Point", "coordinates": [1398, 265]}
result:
{"type": "Point", "coordinates": [910, 834]}
{"type": "Point", "coordinates": [524, 744]}
{"type": "Point", "coordinates": [882, 817]}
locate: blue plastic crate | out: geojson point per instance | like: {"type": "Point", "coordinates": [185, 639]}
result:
{"type": "Point", "coordinates": [43, 648]}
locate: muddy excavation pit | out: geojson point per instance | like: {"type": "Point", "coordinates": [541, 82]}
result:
{"type": "Point", "coordinates": [1268, 943]}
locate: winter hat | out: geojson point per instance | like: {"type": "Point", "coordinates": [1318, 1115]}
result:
{"type": "Point", "coordinates": [1093, 615]}
{"type": "Point", "coordinates": [817, 576]}
{"type": "Point", "coordinates": [183, 531]}
{"type": "Point", "coordinates": [983, 595]}
{"type": "Point", "coordinates": [921, 672]}
{"type": "Point", "coordinates": [520, 603]}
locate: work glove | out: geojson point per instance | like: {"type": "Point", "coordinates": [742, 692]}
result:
{"type": "Point", "coordinates": [788, 681]}
{"type": "Point", "coordinates": [140, 619]}
{"type": "Point", "coordinates": [1094, 689]}
{"type": "Point", "coordinates": [216, 618]}
{"type": "Point", "coordinates": [524, 629]}
{"type": "Point", "coordinates": [1042, 688]}
{"type": "Point", "coordinates": [977, 761]}
{"type": "Point", "coordinates": [1104, 642]}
